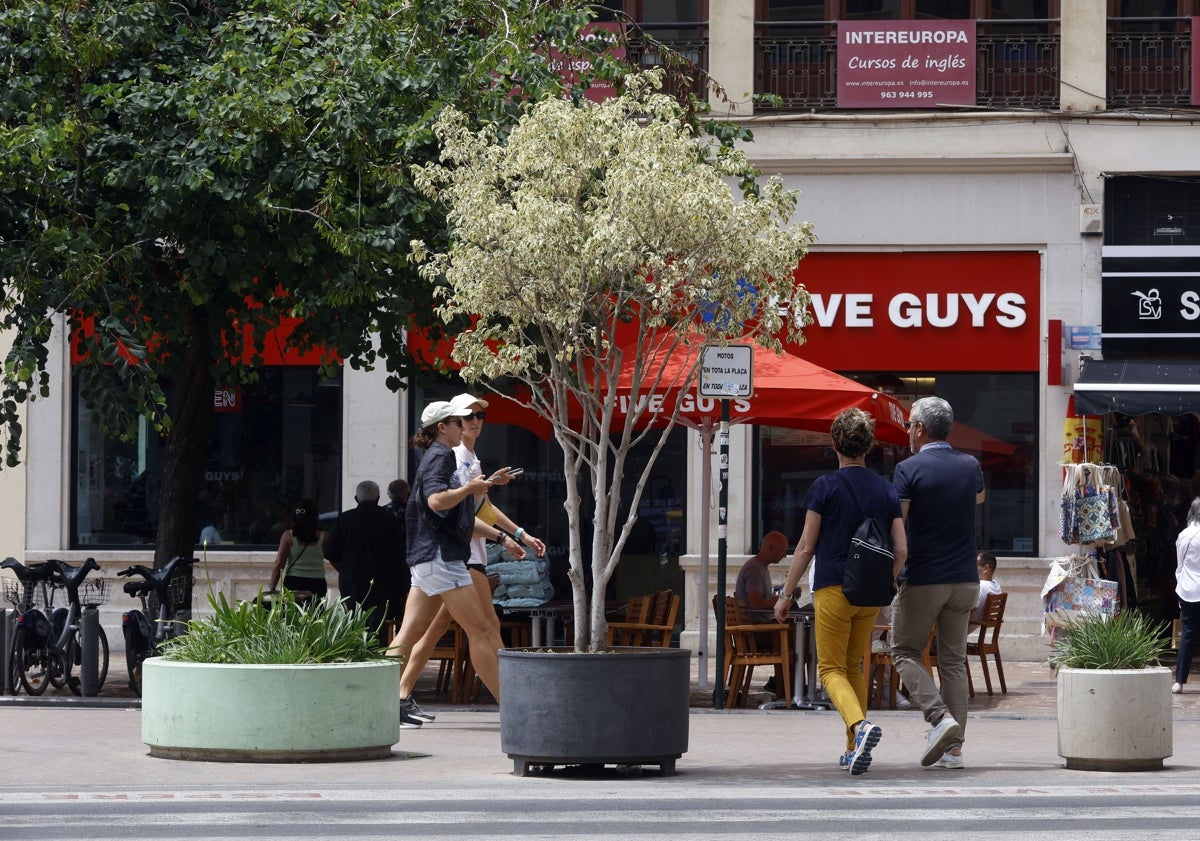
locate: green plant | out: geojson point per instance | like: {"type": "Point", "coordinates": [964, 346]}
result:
{"type": "Point", "coordinates": [322, 631]}
{"type": "Point", "coordinates": [1130, 640]}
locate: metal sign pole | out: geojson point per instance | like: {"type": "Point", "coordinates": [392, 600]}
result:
{"type": "Point", "coordinates": [722, 547]}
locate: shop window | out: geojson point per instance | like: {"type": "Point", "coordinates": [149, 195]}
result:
{"type": "Point", "coordinates": [274, 441]}
{"type": "Point", "coordinates": [995, 421]}
{"type": "Point", "coordinates": [1152, 210]}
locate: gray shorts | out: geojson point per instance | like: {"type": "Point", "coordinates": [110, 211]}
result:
{"type": "Point", "coordinates": [437, 577]}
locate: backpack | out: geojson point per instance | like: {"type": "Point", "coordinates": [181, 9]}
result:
{"type": "Point", "coordinates": [868, 580]}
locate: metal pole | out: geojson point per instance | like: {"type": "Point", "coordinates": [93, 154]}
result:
{"type": "Point", "coordinates": [8, 632]}
{"type": "Point", "coordinates": [89, 652]}
{"type": "Point", "coordinates": [706, 436]}
{"type": "Point", "coordinates": [722, 541]}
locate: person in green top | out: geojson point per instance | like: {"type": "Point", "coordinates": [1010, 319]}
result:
{"type": "Point", "coordinates": [301, 556]}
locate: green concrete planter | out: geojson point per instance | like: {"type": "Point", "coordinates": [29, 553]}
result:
{"type": "Point", "coordinates": [268, 713]}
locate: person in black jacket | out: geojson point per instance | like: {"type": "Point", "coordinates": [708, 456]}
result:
{"type": "Point", "coordinates": [367, 550]}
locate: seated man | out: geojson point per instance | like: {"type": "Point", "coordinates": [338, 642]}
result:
{"type": "Point", "coordinates": [986, 561]}
{"type": "Point", "coordinates": [754, 589]}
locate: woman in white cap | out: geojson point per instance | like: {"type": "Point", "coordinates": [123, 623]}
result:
{"type": "Point", "coordinates": [437, 554]}
{"type": "Point", "coordinates": [468, 468]}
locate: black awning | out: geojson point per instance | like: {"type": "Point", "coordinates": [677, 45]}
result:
{"type": "Point", "coordinates": [1138, 388]}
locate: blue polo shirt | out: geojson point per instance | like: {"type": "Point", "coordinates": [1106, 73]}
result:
{"type": "Point", "coordinates": [940, 485]}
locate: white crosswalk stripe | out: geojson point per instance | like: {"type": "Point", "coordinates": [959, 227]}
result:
{"type": "Point", "coordinates": [600, 810]}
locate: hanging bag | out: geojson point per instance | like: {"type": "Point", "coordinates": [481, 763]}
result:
{"type": "Point", "coordinates": [1093, 510]}
{"type": "Point", "coordinates": [868, 580]}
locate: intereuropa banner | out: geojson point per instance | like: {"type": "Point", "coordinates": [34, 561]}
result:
{"type": "Point", "coordinates": [906, 64]}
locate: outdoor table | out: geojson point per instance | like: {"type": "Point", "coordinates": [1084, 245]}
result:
{"type": "Point", "coordinates": [806, 693]}
{"type": "Point", "coordinates": [542, 620]}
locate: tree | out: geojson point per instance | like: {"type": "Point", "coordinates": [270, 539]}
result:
{"type": "Point", "coordinates": [595, 241]}
{"type": "Point", "coordinates": [179, 178]}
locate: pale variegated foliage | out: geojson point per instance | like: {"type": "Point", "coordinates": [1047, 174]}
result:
{"type": "Point", "coordinates": [585, 218]}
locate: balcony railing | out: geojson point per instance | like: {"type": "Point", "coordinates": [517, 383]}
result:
{"type": "Point", "coordinates": [688, 41]}
{"type": "Point", "coordinates": [1013, 70]}
{"type": "Point", "coordinates": [1149, 69]}
{"type": "Point", "coordinates": [797, 63]}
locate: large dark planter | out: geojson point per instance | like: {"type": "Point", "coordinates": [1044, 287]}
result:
{"type": "Point", "coordinates": [628, 706]}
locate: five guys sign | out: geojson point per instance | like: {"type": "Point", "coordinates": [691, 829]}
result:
{"type": "Point", "coordinates": [923, 311]}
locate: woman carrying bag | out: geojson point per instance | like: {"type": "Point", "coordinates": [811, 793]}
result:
{"type": "Point", "coordinates": [301, 556]}
{"type": "Point", "coordinates": [835, 507]}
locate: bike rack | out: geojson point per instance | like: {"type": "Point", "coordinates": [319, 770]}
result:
{"type": "Point", "coordinates": [8, 630]}
{"type": "Point", "coordinates": [89, 651]}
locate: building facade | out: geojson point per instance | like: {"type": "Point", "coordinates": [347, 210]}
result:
{"type": "Point", "coordinates": [978, 240]}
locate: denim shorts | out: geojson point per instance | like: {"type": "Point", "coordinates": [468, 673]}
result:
{"type": "Point", "coordinates": [437, 577]}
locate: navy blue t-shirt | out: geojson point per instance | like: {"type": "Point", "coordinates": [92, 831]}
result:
{"type": "Point", "coordinates": [840, 517]}
{"type": "Point", "coordinates": [940, 485]}
{"type": "Point", "coordinates": [435, 473]}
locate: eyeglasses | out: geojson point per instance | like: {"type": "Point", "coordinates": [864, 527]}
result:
{"type": "Point", "coordinates": [475, 416]}
{"type": "Point", "coordinates": [909, 424]}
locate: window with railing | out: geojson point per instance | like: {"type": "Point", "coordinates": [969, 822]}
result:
{"type": "Point", "coordinates": [1018, 67]}
{"type": "Point", "coordinates": [681, 47]}
{"type": "Point", "coordinates": [1149, 62]}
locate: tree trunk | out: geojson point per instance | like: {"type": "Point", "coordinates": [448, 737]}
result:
{"type": "Point", "coordinates": [191, 413]}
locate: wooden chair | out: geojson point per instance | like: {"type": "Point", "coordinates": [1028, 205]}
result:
{"type": "Point", "coordinates": [879, 670]}
{"type": "Point", "coordinates": [751, 644]}
{"type": "Point", "coordinates": [992, 619]}
{"type": "Point", "coordinates": [648, 621]}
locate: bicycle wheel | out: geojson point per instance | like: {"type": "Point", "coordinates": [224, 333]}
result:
{"type": "Point", "coordinates": [136, 652]}
{"type": "Point", "coordinates": [74, 657]}
{"type": "Point", "coordinates": [32, 664]}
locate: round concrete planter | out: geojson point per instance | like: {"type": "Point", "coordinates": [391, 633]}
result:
{"type": "Point", "coordinates": [628, 706]}
{"type": "Point", "coordinates": [1114, 719]}
{"type": "Point", "coordinates": [268, 713]}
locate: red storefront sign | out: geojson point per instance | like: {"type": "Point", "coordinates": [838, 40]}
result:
{"type": "Point", "coordinates": [923, 311]}
{"type": "Point", "coordinates": [571, 68]}
{"type": "Point", "coordinates": [906, 64]}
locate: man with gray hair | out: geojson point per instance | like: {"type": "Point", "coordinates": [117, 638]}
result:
{"type": "Point", "coordinates": [367, 550]}
{"type": "Point", "coordinates": [939, 489]}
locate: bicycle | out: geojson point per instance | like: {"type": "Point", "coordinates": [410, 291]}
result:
{"type": "Point", "coordinates": [165, 594]}
{"type": "Point", "coordinates": [45, 649]}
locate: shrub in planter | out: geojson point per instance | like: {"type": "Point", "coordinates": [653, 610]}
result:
{"type": "Point", "coordinates": [287, 683]}
{"type": "Point", "coordinates": [1114, 701]}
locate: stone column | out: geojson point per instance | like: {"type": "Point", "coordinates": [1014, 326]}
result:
{"type": "Point", "coordinates": [731, 55]}
{"type": "Point", "coordinates": [1083, 59]}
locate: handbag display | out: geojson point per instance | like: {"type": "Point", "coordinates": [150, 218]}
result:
{"type": "Point", "coordinates": [868, 580]}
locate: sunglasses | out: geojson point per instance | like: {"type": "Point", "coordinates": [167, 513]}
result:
{"type": "Point", "coordinates": [475, 416]}
{"type": "Point", "coordinates": [910, 424]}
{"type": "Point", "coordinates": [456, 421]}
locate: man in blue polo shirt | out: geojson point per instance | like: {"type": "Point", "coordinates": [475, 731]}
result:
{"type": "Point", "coordinates": [939, 489]}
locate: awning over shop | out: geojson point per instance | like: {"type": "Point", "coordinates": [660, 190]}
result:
{"type": "Point", "coordinates": [1138, 388]}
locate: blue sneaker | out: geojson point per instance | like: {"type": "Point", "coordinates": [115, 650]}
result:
{"type": "Point", "coordinates": [868, 736]}
{"type": "Point", "coordinates": [844, 760]}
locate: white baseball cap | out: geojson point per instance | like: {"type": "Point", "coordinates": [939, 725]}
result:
{"type": "Point", "coordinates": [466, 401]}
{"type": "Point", "coordinates": [439, 411]}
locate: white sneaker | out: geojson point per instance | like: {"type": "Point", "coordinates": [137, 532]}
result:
{"type": "Point", "coordinates": [902, 703]}
{"type": "Point", "coordinates": [938, 737]}
{"type": "Point", "coordinates": [1176, 688]}
{"type": "Point", "coordinates": [950, 760]}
